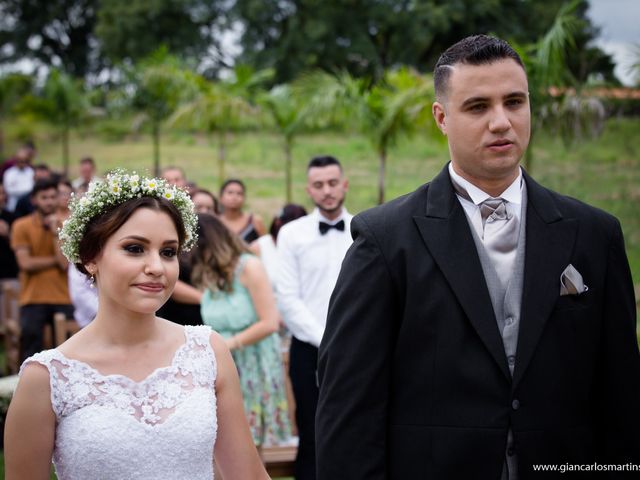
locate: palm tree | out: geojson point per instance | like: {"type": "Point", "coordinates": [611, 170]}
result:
{"type": "Point", "coordinates": [219, 107]}
{"type": "Point", "coordinates": [384, 112]}
{"type": "Point", "coordinates": [287, 115]}
{"type": "Point", "coordinates": [64, 105]}
{"type": "Point", "coordinates": [158, 84]}
{"type": "Point", "coordinates": [556, 96]}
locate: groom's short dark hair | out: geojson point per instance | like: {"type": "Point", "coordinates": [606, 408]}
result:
{"type": "Point", "coordinates": [473, 50]}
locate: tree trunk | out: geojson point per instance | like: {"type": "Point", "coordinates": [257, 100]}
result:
{"type": "Point", "coordinates": [65, 149]}
{"type": "Point", "coordinates": [222, 154]}
{"type": "Point", "coordinates": [287, 168]}
{"type": "Point", "coordinates": [381, 173]}
{"type": "Point", "coordinates": [156, 149]}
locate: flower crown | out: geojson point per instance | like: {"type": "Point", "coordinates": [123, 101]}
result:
{"type": "Point", "coordinates": [117, 188]}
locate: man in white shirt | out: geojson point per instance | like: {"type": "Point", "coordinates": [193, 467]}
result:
{"type": "Point", "coordinates": [311, 251]}
{"type": "Point", "coordinates": [18, 179]}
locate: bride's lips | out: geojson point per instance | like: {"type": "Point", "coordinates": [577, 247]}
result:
{"type": "Point", "coordinates": [150, 287]}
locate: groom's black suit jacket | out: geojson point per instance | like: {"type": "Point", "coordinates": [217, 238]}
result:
{"type": "Point", "coordinates": [414, 382]}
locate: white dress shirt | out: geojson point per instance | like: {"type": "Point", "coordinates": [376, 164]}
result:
{"type": "Point", "coordinates": [513, 196]}
{"type": "Point", "coordinates": [309, 266]}
{"type": "Point", "coordinates": [17, 183]}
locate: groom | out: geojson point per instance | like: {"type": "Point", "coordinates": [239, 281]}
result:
{"type": "Point", "coordinates": [481, 325]}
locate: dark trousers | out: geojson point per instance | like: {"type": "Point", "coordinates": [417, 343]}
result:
{"type": "Point", "coordinates": [303, 365]}
{"type": "Point", "coordinates": [33, 318]}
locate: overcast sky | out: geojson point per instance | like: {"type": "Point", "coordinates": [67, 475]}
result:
{"type": "Point", "coordinates": [619, 21]}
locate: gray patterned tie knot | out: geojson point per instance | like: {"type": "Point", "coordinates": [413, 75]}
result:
{"type": "Point", "coordinates": [493, 209]}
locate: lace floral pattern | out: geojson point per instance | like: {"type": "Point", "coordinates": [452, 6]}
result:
{"type": "Point", "coordinates": [110, 426]}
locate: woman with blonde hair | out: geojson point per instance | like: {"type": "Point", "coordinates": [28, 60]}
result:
{"type": "Point", "coordinates": [238, 303]}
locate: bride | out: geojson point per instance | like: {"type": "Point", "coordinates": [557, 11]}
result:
{"type": "Point", "coordinates": [131, 395]}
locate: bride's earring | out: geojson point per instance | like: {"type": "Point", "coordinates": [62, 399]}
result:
{"type": "Point", "coordinates": [92, 279]}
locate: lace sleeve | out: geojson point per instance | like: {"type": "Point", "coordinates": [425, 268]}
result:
{"type": "Point", "coordinates": [47, 359]}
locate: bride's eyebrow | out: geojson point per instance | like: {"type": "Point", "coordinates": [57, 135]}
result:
{"type": "Point", "coordinates": [136, 238]}
{"type": "Point", "coordinates": [145, 240]}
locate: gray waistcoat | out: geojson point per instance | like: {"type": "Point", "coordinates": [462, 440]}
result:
{"type": "Point", "coordinates": [506, 306]}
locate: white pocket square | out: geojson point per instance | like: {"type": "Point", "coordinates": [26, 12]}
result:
{"type": "Point", "coordinates": [571, 282]}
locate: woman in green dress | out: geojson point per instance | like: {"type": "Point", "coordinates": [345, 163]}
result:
{"type": "Point", "coordinates": [238, 303]}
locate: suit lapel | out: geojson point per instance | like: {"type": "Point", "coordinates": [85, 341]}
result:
{"type": "Point", "coordinates": [550, 240]}
{"type": "Point", "coordinates": [446, 233]}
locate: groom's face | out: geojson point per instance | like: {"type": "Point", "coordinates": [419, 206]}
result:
{"type": "Point", "coordinates": [486, 117]}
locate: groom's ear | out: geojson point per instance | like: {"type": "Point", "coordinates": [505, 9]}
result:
{"type": "Point", "coordinates": [440, 116]}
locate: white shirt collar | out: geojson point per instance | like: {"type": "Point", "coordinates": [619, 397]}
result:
{"type": "Point", "coordinates": [343, 215]}
{"type": "Point", "coordinates": [513, 193]}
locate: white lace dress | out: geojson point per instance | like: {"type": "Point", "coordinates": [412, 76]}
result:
{"type": "Point", "coordinates": [110, 427]}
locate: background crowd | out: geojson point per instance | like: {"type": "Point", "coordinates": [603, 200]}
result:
{"type": "Point", "coordinates": [239, 300]}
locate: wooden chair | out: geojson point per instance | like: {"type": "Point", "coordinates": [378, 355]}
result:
{"type": "Point", "coordinates": [64, 327]}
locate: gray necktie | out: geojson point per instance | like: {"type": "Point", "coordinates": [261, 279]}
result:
{"type": "Point", "coordinates": [499, 236]}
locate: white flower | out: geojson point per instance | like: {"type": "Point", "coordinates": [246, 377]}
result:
{"type": "Point", "coordinates": [134, 181]}
{"type": "Point", "coordinates": [169, 194]}
{"type": "Point", "coordinates": [151, 184]}
{"type": "Point", "coordinates": [114, 188]}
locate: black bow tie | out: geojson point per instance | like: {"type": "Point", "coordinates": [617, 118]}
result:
{"type": "Point", "coordinates": [325, 227]}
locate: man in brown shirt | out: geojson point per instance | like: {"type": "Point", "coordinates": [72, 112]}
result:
{"type": "Point", "coordinates": [43, 268]}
